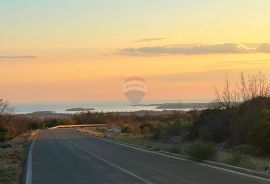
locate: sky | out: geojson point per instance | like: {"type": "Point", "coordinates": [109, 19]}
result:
{"type": "Point", "coordinates": [76, 50]}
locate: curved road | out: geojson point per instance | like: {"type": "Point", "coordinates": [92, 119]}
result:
{"type": "Point", "coordinates": [64, 156]}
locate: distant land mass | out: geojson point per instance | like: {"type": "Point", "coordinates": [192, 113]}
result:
{"type": "Point", "coordinates": [79, 109]}
{"type": "Point", "coordinates": [52, 114]}
{"type": "Point", "coordinates": [183, 105]}
{"type": "Point", "coordinates": [161, 108]}
{"type": "Point", "coordinates": [46, 114]}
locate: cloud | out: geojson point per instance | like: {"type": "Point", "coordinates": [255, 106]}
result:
{"type": "Point", "coordinates": [189, 76]}
{"type": "Point", "coordinates": [265, 48]}
{"type": "Point", "coordinates": [18, 57]}
{"type": "Point", "coordinates": [151, 39]}
{"type": "Point", "coordinates": [188, 49]}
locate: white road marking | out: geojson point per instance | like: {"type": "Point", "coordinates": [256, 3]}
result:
{"type": "Point", "coordinates": [111, 164]}
{"type": "Point", "coordinates": [235, 172]}
{"type": "Point", "coordinates": [28, 179]}
{"type": "Point", "coordinates": [182, 159]}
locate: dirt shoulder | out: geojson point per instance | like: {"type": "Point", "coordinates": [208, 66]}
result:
{"type": "Point", "coordinates": [12, 156]}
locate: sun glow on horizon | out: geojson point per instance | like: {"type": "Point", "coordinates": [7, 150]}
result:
{"type": "Point", "coordinates": [82, 50]}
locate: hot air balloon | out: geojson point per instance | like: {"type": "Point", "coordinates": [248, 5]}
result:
{"type": "Point", "coordinates": [134, 89]}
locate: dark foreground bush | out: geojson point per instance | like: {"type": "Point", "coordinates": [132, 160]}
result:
{"type": "Point", "coordinates": [201, 151]}
{"type": "Point", "coordinates": [5, 133]}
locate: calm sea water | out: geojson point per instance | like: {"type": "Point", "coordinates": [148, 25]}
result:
{"type": "Point", "coordinates": [99, 106]}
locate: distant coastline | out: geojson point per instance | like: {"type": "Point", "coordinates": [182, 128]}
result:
{"type": "Point", "coordinates": [169, 106]}
{"type": "Point", "coordinates": [110, 106]}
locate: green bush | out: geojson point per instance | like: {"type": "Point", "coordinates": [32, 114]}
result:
{"type": "Point", "coordinates": [201, 151]}
{"type": "Point", "coordinates": [5, 133]}
{"type": "Point", "coordinates": [259, 134]}
{"type": "Point", "coordinates": [213, 125]}
{"type": "Point", "coordinates": [169, 130]}
{"type": "Point", "coordinates": [237, 158]}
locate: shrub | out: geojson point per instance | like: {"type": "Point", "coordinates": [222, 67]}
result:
{"type": "Point", "coordinates": [131, 129]}
{"type": "Point", "coordinates": [158, 131]}
{"type": "Point", "coordinates": [201, 151]}
{"type": "Point", "coordinates": [174, 129]}
{"type": "Point", "coordinates": [259, 135]}
{"type": "Point", "coordinates": [213, 125]}
{"type": "Point", "coordinates": [127, 129]}
{"type": "Point", "coordinates": [5, 133]}
{"type": "Point", "coordinates": [146, 131]}
{"type": "Point", "coordinates": [175, 150]}
{"type": "Point", "coordinates": [237, 158]}
{"type": "Point", "coordinates": [148, 125]}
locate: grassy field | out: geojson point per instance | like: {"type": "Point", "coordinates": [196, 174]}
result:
{"type": "Point", "coordinates": [12, 157]}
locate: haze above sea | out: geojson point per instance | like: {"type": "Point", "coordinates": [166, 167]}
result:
{"type": "Point", "coordinates": [98, 106]}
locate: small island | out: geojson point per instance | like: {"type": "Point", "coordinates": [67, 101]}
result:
{"type": "Point", "coordinates": [79, 109]}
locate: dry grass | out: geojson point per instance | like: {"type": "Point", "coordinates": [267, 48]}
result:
{"type": "Point", "coordinates": [91, 131]}
{"type": "Point", "coordinates": [243, 160]}
{"type": "Point", "coordinates": [12, 156]}
{"type": "Point", "coordinates": [261, 164]}
{"type": "Point", "coordinates": [148, 143]}
{"type": "Point", "coordinates": [258, 164]}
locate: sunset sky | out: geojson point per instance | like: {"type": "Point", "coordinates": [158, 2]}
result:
{"type": "Point", "coordinates": [76, 50]}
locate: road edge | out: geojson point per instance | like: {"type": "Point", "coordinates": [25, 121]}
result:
{"type": "Point", "coordinates": [27, 171]}
{"type": "Point", "coordinates": [212, 164]}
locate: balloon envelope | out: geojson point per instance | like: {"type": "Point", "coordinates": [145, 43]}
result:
{"type": "Point", "coordinates": [134, 89]}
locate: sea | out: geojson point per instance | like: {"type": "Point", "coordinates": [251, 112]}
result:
{"type": "Point", "coordinates": [98, 106]}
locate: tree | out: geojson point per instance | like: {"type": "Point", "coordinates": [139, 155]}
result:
{"type": "Point", "coordinates": [5, 112]}
{"type": "Point", "coordinates": [5, 116]}
{"type": "Point", "coordinates": [252, 86]}
{"type": "Point", "coordinates": [227, 97]}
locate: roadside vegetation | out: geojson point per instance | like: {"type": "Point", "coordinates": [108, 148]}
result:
{"type": "Point", "coordinates": [234, 130]}
{"type": "Point", "coordinates": [12, 125]}
{"type": "Point", "coordinates": [15, 135]}
{"type": "Point", "coordinates": [12, 157]}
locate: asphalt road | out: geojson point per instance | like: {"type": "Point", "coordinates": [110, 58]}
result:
{"type": "Point", "coordinates": [64, 156]}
